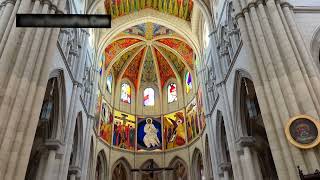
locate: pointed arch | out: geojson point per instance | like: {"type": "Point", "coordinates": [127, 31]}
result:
{"type": "Point", "coordinates": [180, 169]}
{"type": "Point", "coordinates": [197, 167]}
{"type": "Point", "coordinates": [51, 124]}
{"type": "Point", "coordinates": [208, 158]}
{"type": "Point", "coordinates": [101, 166]}
{"type": "Point", "coordinates": [121, 168]}
{"type": "Point", "coordinates": [91, 157]}
{"type": "Point", "coordinates": [75, 156]}
{"type": "Point", "coordinates": [315, 47]}
{"type": "Point", "coordinates": [146, 175]}
{"type": "Point", "coordinates": [223, 154]}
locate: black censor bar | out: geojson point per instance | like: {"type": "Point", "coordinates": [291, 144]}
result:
{"type": "Point", "coordinates": [64, 20]}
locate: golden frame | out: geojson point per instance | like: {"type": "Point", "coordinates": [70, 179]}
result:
{"type": "Point", "coordinates": [295, 143]}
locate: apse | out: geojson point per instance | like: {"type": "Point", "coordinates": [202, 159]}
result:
{"type": "Point", "coordinates": [148, 97]}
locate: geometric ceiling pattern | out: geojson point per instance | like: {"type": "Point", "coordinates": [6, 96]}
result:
{"type": "Point", "coordinates": [178, 8]}
{"type": "Point", "coordinates": [148, 53]}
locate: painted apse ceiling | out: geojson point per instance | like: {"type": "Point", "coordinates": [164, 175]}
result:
{"type": "Point", "coordinates": [178, 8]}
{"type": "Point", "coordinates": [148, 53]}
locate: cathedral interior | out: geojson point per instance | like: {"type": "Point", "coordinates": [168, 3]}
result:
{"type": "Point", "coordinates": [174, 90]}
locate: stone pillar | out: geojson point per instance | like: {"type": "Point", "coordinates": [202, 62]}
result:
{"type": "Point", "coordinates": [251, 171]}
{"type": "Point", "coordinates": [226, 168]}
{"type": "Point", "coordinates": [74, 172]}
{"type": "Point", "coordinates": [5, 14]}
{"type": "Point", "coordinates": [25, 58]}
{"type": "Point", "coordinates": [52, 146]}
{"type": "Point", "coordinates": [75, 98]}
{"type": "Point", "coordinates": [285, 83]}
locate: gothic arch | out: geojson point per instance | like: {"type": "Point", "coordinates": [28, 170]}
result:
{"type": "Point", "coordinates": [60, 119]}
{"type": "Point", "coordinates": [223, 153]}
{"type": "Point", "coordinates": [50, 128]}
{"type": "Point", "coordinates": [101, 167]}
{"type": "Point", "coordinates": [180, 169]}
{"type": "Point", "coordinates": [237, 99]}
{"type": "Point", "coordinates": [91, 157]}
{"type": "Point", "coordinates": [123, 167]}
{"type": "Point", "coordinates": [77, 147]}
{"type": "Point", "coordinates": [315, 46]}
{"type": "Point", "coordinates": [197, 167]}
{"type": "Point", "coordinates": [252, 134]}
{"type": "Point", "coordinates": [208, 158]}
{"type": "Point", "coordinates": [145, 175]}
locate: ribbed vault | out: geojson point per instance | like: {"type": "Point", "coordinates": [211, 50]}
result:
{"type": "Point", "coordinates": [148, 53]}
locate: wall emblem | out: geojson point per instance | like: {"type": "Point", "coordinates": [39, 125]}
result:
{"type": "Point", "coordinates": [303, 131]}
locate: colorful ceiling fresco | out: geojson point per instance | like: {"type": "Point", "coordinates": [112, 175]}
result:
{"type": "Point", "coordinates": [164, 68]}
{"type": "Point", "coordinates": [149, 69]}
{"type": "Point", "coordinates": [181, 47]}
{"type": "Point", "coordinates": [161, 45]}
{"type": "Point", "coordinates": [177, 63]}
{"type": "Point", "coordinates": [131, 71]}
{"type": "Point", "coordinates": [178, 8]}
{"type": "Point", "coordinates": [116, 47]}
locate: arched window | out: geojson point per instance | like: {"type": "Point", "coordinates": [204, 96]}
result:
{"type": "Point", "coordinates": [109, 83]}
{"type": "Point", "coordinates": [100, 64]}
{"type": "Point", "coordinates": [172, 92]}
{"type": "Point", "coordinates": [148, 97]}
{"type": "Point", "coordinates": [188, 82]}
{"type": "Point", "coordinates": [126, 93]}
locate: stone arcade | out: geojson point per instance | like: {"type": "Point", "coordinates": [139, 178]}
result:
{"type": "Point", "coordinates": [202, 88]}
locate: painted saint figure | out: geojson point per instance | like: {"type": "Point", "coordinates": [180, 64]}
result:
{"type": "Point", "coordinates": [150, 139]}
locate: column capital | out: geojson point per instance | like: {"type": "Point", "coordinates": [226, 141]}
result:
{"type": "Point", "coordinates": [238, 16]}
{"type": "Point", "coordinates": [225, 166]}
{"type": "Point", "coordinates": [53, 144]}
{"type": "Point", "coordinates": [246, 141]}
{"type": "Point", "coordinates": [73, 169]}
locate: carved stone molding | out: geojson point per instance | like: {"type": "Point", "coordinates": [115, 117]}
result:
{"type": "Point", "coordinates": [225, 166]}
{"type": "Point", "coordinates": [246, 141]}
{"type": "Point", "coordinates": [53, 144]}
{"type": "Point", "coordinates": [74, 170]}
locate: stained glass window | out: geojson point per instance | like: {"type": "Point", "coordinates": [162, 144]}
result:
{"type": "Point", "coordinates": [188, 82]}
{"type": "Point", "coordinates": [101, 62]}
{"type": "Point", "coordinates": [148, 97]}
{"type": "Point", "coordinates": [172, 92]}
{"type": "Point", "coordinates": [126, 93]}
{"type": "Point", "coordinates": [109, 83]}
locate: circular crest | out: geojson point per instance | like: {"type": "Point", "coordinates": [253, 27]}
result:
{"type": "Point", "coordinates": [303, 131]}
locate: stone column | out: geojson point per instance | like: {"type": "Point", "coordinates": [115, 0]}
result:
{"type": "Point", "coordinates": [25, 59]}
{"type": "Point", "coordinates": [74, 172]}
{"type": "Point", "coordinates": [251, 171]}
{"type": "Point", "coordinates": [226, 168]}
{"type": "Point", "coordinates": [52, 146]}
{"type": "Point", "coordinates": [8, 6]}
{"type": "Point", "coordinates": [72, 115]}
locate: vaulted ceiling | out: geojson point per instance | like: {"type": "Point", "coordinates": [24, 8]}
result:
{"type": "Point", "coordinates": [179, 8]}
{"type": "Point", "coordinates": [148, 53]}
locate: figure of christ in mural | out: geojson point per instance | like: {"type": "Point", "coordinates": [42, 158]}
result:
{"type": "Point", "coordinates": [174, 130]}
{"type": "Point", "coordinates": [150, 139]}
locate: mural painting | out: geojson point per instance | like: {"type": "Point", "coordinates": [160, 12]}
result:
{"type": "Point", "coordinates": [98, 109]}
{"type": "Point", "coordinates": [174, 130]}
{"type": "Point", "coordinates": [106, 120]}
{"type": "Point", "coordinates": [201, 114]}
{"type": "Point", "coordinates": [124, 130]}
{"type": "Point", "coordinates": [149, 134]}
{"type": "Point", "coordinates": [191, 120]}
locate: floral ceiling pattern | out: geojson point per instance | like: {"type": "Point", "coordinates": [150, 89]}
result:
{"type": "Point", "coordinates": [148, 53]}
